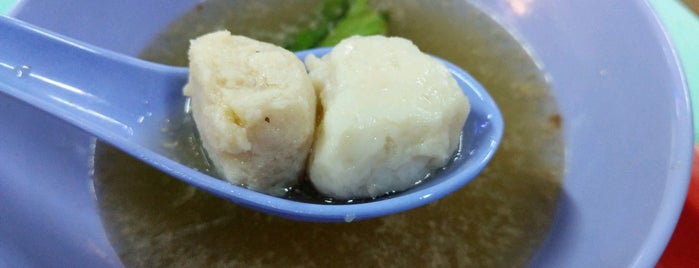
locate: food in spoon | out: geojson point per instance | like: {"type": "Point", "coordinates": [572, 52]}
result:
{"type": "Point", "coordinates": [391, 115]}
{"type": "Point", "coordinates": [254, 107]}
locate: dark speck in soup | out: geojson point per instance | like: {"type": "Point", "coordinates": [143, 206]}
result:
{"type": "Point", "coordinates": [498, 220]}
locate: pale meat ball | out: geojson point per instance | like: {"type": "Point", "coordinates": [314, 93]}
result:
{"type": "Point", "coordinates": [391, 114]}
{"type": "Point", "coordinates": [254, 107]}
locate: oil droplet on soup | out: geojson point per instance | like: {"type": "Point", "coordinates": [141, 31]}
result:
{"type": "Point", "coordinates": [498, 220]}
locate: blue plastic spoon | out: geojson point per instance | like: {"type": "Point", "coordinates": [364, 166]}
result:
{"type": "Point", "coordinates": [125, 101]}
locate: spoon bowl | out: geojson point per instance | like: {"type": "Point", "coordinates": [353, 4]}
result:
{"type": "Point", "coordinates": [126, 101]}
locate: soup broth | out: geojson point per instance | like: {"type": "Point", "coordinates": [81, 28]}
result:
{"type": "Point", "coordinates": [498, 220]}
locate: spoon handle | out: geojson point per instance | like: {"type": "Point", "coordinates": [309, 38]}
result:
{"type": "Point", "coordinates": [98, 90]}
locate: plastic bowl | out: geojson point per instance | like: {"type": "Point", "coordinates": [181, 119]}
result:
{"type": "Point", "coordinates": [623, 99]}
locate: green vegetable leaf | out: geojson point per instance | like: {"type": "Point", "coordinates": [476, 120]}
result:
{"type": "Point", "coordinates": [338, 20]}
{"type": "Point", "coordinates": [333, 10]}
{"type": "Point", "coordinates": [307, 38]}
{"type": "Point", "coordinates": [360, 20]}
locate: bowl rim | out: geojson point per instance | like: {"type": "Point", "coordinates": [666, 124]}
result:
{"type": "Point", "coordinates": [675, 191]}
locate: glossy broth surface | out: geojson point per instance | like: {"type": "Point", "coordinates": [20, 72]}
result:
{"type": "Point", "coordinates": [498, 220]}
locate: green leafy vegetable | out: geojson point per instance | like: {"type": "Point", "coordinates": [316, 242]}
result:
{"type": "Point", "coordinates": [339, 19]}
{"type": "Point", "coordinates": [359, 20]}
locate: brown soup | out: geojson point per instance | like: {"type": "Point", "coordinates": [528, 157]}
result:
{"type": "Point", "coordinates": [498, 220]}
